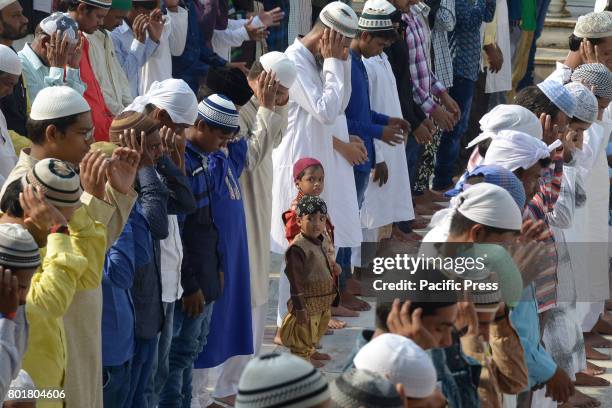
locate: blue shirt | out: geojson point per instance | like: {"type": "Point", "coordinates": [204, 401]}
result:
{"type": "Point", "coordinates": [133, 249]}
{"type": "Point", "coordinates": [37, 76]}
{"type": "Point", "coordinates": [464, 40]}
{"type": "Point", "coordinates": [197, 57]}
{"type": "Point", "coordinates": [361, 119]}
{"type": "Point", "coordinates": [526, 321]}
{"type": "Point", "coordinates": [132, 54]}
{"type": "Point", "coordinates": [201, 268]}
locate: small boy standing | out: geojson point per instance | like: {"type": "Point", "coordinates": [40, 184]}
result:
{"type": "Point", "coordinates": [311, 282]}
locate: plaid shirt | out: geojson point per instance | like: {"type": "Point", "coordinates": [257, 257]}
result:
{"type": "Point", "coordinates": [424, 81]}
{"type": "Point", "coordinates": [444, 23]}
{"type": "Point", "coordinates": [279, 36]}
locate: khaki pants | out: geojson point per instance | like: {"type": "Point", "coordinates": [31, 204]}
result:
{"type": "Point", "coordinates": [300, 338]}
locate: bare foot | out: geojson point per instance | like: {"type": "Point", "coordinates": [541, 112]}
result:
{"type": "Point", "coordinates": [229, 400]}
{"type": "Point", "coordinates": [581, 400]}
{"type": "Point", "coordinates": [336, 324]}
{"type": "Point", "coordinates": [349, 301]}
{"type": "Point", "coordinates": [585, 380]}
{"type": "Point", "coordinates": [353, 286]}
{"type": "Point", "coordinates": [603, 327]}
{"type": "Point", "coordinates": [593, 369]}
{"type": "Point", "coordinates": [438, 195]}
{"type": "Point", "coordinates": [398, 235]}
{"type": "Point", "coordinates": [592, 354]}
{"type": "Point", "coordinates": [277, 338]}
{"type": "Point", "coordinates": [316, 363]}
{"type": "Point", "coordinates": [343, 312]}
{"type": "Point", "coordinates": [419, 223]}
{"type": "Point", "coordinates": [320, 356]}
{"type": "Point", "coordinates": [596, 340]}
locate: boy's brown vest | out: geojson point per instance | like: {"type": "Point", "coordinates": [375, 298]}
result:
{"type": "Point", "coordinates": [319, 291]}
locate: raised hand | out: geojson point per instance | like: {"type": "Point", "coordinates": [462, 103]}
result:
{"type": "Point", "coordinates": [589, 54]}
{"type": "Point", "coordinates": [9, 292]}
{"type": "Point", "coordinates": [401, 322]}
{"type": "Point", "coordinates": [155, 27]}
{"type": "Point", "coordinates": [550, 132]}
{"type": "Point", "coordinates": [39, 215]}
{"type": "Point", "coordinates": [240, 65]}
{"type": "Point", "coordinates": [123, 169]}
{"type": "Point", "coordinates": [139, 28]}
{"type": "Point", "coordinates": [76, 52]}
{"type": "Point", "coordinates": [467, 316]}
{"type": "Point", "coordinates": [93, 173]}
{"type": "Point", "coordinates": [255, 33]}
{"type": "Point", "coordinates": [267, 87]}
{"type": "Point", "coordinates": [57, 50]}
{"type": "Point", "coordinates": [272, 17]}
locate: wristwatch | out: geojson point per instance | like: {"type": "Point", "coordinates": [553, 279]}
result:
{"type": "Point", "coordinates": [59, 229]}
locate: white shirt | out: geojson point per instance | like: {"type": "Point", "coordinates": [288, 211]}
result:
{"type": "Point", "coordinates": [171, 43]}
{"type": "Point", "coordinates": [171, 260]}
{"type": "Point", "coordinates": [8, 157]}
{"type": "Point", "coordinates": [392, 202]}
{"type": "Point", "coordinates": [233, 36]}
{"type": "Point", "coordinates": [317, 101]}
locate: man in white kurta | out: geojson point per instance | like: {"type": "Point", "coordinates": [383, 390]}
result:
{"type": "Point", "coordinates": [317, 101]}
{"type": "Point", "coordinates": [171, 43]}
{"type": "Point", "coordinates": [10, 67]}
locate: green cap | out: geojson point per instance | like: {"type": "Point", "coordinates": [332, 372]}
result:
{"type": "Point", "coordinates": [122, 5]}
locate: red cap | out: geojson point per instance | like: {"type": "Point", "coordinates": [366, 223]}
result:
{"type": "Point", "coordinates": [302, 165]}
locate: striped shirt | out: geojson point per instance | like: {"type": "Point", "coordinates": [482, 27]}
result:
{"type": "Point", "coordinates": [426, 85]}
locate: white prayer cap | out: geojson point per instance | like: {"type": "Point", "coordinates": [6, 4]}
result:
{"type": "Point", "coordinates": [60, 22]}
{"type": "Point", "coordinates": [508, 117]}
{"type": "Point", "coordinates": [587, 107]}
{"type": "Point", "coordinates": [490, 205]}
{"type": "Point", "coordinates": [57, 102]}
{"type": "Point", "coordinates": [22, 383]}
{"type": "Point", "coordinates": [9, 61]}
{"type": "Point", "coordinates": [400, 360]}
{"type": "Point", "coordinates": [4, 3]}
{"type": "Point", "coordinates": [376, 16]}
{"type": "Point", "coordinates": [513, 150]}
{"type": "Point", "coordinates": [340, 17]}
{"type": "Point", "coordinates": [172, 95]}
{"type": "Point", "coordinates": [281, 65]}
{"type": "Point", "coordinates": [594, 25]}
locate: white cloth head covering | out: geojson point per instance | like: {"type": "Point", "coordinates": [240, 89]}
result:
{"type": "Point", "coordinates": [340, 17]}
{"type": "Point", "coordinates": [559, 96]}
{"type": "Point", "coordinates": [400, 360]}
{"type": "Point", "coordinates": [57, 102]}
{"type": "Point", "coordinates": [23, 382]}
{"type": "Point", "coordinates": [172, 95]}
{"type": "Point", "coordinates": [512, 150]}
{"type": "Point", "coordinates": [60, 22]}
{"type": "Point", "coordinates": [508, 117]}
{"type": "Point", "coordinates": [281, 65]}
{"type": "Point", "coordinates": [281, 380]}
{"type": "Point", "coordinates": [596, 75]}
{"type": "Point", "coordinates": [9, 61]}
{"type": "Point", "coordinates": [4, 3]}
{"type": "Point", "coordinates": [587, 107]}
{"type": "Point", "coordinates": [376, 16]}
{"type": "Point", "coordinates": [489, 205]}
{"type": "Point", "coordinates": [594, 25]}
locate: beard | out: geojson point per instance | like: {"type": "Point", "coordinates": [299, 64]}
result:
{"type": "Point", "coordinates": [12, 34]}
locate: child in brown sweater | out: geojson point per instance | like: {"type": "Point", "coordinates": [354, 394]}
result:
{"type": "Point", "coordinates": [311, 282]}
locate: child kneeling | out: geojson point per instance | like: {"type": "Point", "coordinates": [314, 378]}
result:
{"type": "Point", "coordinates": [310, 279]}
